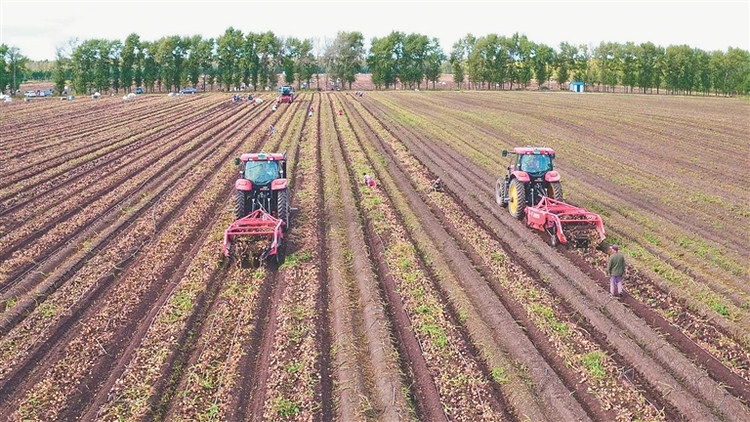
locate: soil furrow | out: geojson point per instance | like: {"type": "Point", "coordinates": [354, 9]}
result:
{"type": "Point", "coordinates": [649, 338]}
{"type": "Point", "coordinates": [554, 400]}
{"type": "Point", "coordinates": [86, 307]}
{"type": "Point", "coordinates": [380, 389]}
{"type": "Point", "coordinates": [51, 228]}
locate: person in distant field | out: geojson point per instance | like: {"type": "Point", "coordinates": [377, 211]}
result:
{"type": "Point", "coordinates": [615, 270]}
{"type": "Point", "coordinates": [271, 130]}
{"type": "Point", "coordinates": [341, 112]}
{"type": "Point", "coordinates": [369, 181]}
{"type": "Point", "coordinates": [310, 113]}
{"type": "Point", "coordinates": [437, 185]}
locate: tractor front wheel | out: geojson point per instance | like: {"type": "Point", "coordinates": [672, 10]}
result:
{"type": "Point", "coordinates": [517, 199]}
{"type": "Point", "coordinates": [555, 191]}
{"type": "Point", "coordinates": [500, 193]}
{"type": "Point", "coordinates": [240, 204]}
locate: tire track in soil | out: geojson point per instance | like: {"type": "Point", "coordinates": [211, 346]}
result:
{"type": "Point", "coordinates": [253, 387]}
{"type": "Point", "coordinates": [609, 193]}
{"type": "Point", "coordinates": [318, 405]}
{"type": "Point", "coordinates": [722, 373]}
{"type": "Point", "coordinates": [54, 165]}
{"type": "Point", "coordinates": [146, 146]}
{"type": "Point", "coordinates": [479, 174]}
{"type": "Point", "coordinates": [539, 339]}
{"type": "Point", "coordinates": [497, 402]}
{"type": "Point", "coordinates": [424, 391]}
{"type": "Point", "coordinates": [44, 354]}
{"type": "Point", "coordinates": [102, 227]}
{"type": "Point", "coordinates": [175, 365]}
{"type": "Point", "coordinates": [605, 193]}
{"type": "Point", "coordinates": [78, 203]}
{"type": "Point", "coordinates": [268, 287]}
{"type": "Point", "coordinates": [369, 384]}
{"type": "Point", "coordinates": [24, 145]}
{"type": "Point", "coordinates": [324, 345]}
{"type": "Point", "coordinates": [14, 278]}
{"type": "Point", "coordinates": [665, 355]}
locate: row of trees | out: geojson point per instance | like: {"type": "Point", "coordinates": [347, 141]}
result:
{"type": "Point", "coordinates": [497, 61]}
{"type": "Point", "coordinates": [488, 62]}
{"type": "Point", "coordinates": [409, 59]}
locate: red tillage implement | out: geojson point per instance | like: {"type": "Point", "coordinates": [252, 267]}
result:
{"type": "Point", "coordinates": [556, 217]}
{"type": "Point", "coordinates": [256, 225]}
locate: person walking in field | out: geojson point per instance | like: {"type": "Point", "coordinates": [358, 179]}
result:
{"type": "Point", "coordinates": [615, 270]}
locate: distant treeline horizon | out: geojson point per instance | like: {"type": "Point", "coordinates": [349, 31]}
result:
{"type": "Point", "coordinates": [398, 59]}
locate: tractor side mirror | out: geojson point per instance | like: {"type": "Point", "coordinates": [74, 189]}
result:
{"type": "Point", "coordinates": [236, 161]}
{"type": "Point", "coordinates": [552, 156]}
{"type": "Point", "coordinates": [505, 153]}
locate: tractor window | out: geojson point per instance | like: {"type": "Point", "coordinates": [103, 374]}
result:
{"type": "Point", "coordinates": [536, 163]}
{"type": "Point", "coordinates": [261, 172]}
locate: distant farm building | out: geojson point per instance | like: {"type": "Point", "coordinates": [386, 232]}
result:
{"type": "Point", "coordinates": [576, 86]}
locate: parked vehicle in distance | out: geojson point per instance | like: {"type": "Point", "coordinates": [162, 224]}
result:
{"type": "Point", "coordinates": [29, 94]}
{"type": "Point", "coordinates": [188, 91]}
{"type": "Point", "coordinates": [139, 90]}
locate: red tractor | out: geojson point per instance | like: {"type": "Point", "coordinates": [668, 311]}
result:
{"type": "Point", "coordinates": [532, 189]}
{"type": "Point", "coordinates": [261, 209]}
{"type": "Point", "coordinates": [286, 94]}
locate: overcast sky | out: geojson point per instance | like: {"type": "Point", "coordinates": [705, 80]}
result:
{"type": "Point", "coordinates": [37, 28]}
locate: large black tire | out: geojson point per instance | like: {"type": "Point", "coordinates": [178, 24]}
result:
{"type": "Point", "coordinates": [500, 192]}
{"type": "Point", "coordinates": [240, 204]}
{"type": "Point", "coordinates": [283, 208]}
{"type": "Point", "coordinates": [517, 199]}
{"type": "Point", "coordinates": [555, 191]}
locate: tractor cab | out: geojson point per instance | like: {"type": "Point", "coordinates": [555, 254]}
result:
{"type": "Point", "coordinates": [534, 164]}
{"type": "Point", "coordinates": [261, 173]}
{"type": "Point", "coordinates": [536, 161]}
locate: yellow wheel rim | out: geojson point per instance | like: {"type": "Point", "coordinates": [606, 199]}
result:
{"type": "Point", "coordinates": [512, 202]}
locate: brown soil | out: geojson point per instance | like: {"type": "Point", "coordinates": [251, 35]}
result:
{"type": "Point", "coordinates": [113, 305]}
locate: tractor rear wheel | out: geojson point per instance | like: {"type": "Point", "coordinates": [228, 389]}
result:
{"type": "Point", "coordinates": [517, 199]}
{"type": "Point", "coordinates": [554, 191]}
{"type": "Point", "coordinates": [500, 193]}
{"type": "Point", "coordinates": [282, 208]}
{"type": "Point", "coordinates": [240, 204]}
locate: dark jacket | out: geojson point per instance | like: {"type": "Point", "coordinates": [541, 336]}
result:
{"type": "Point", "coordinates": [616, 264]}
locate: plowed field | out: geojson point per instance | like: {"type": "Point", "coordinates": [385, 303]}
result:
{"type": "Point", "coordinates": [394, 302]}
